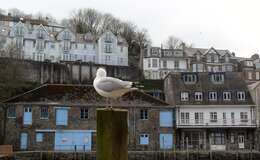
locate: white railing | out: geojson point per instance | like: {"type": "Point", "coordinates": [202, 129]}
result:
{"type": "Point", "coordinates": [216, 122]}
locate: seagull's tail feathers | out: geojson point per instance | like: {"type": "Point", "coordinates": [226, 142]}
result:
{"type": "Point", "coordinates": [136, 85]}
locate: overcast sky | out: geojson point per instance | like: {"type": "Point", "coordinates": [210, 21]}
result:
{"type": "Point", "coordinates": [223, 24]}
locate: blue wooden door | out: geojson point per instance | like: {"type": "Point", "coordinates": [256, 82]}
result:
{"type": "Point", "coordinates": [27, 116]}
{"type": "Point", "coordinates": [62, 116]}
{"type": "Point", "coordinates": [73, 140]}
{"type": "Point", "coordinates": [166, 141]}
{"type": "Point", "coordinates": [23, 140]}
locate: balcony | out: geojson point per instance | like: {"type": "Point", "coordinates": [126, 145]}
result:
{"type": "Point", "coordinates": [215, 123]}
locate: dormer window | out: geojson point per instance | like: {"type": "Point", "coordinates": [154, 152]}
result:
{"type": "Point", "coordinates": [198, 96]}
{"type": "Point", "coordinates": [184, 96]}
{"type": "Point", "coordinates": [226, 58]}
{"type": "Point", "coordinates": [217, 78]}
{"type": "Point", "coordinates": [40, 34]}
{"type": "Point", "coordinates": [241, 96]}
{"type": "Point", "coordinates": [226, 96]}
{"type": "Point", "coordinates": [189, 78]}
{"type": "Point", "coordinates": [108, 38]}
{"type": "Point", "coordinates": [249, 63]}
{"type": "Point", "coordinates": [66, 35]}
{"type": "Point", "coordinates": [213, 96]}
{"type": "Point", "coordinates": [108, 48]}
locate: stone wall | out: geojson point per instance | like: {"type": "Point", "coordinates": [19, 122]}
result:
{"type": "Point", "coordinates": [71, 72]}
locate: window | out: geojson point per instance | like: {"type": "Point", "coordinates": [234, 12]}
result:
{"type": "Point", "coordinates": [213, 117]}
{"type": "Point", "coordinates": [217, 138]}
{"type": "Point", "coordinates": [176, 64]}
{"type": "Point", "coordinates": [216, 58]}
{"type": "Point", "coordinates": [224, 117]}
{"type": "Point", "coordinates": [257, 77]}
{"type": "Point", "coordinates": [107, 58]}
{"type": "Point", "coordinates": [243, 117]}
{"type": "Point", "coordinates": [62, 116]}
{"type": "Point", "coordinates": [84, 113]}
{"type": "Point", "coordinates": [149, 63]}
{"type": "Point", "coordinates": [232, 137]}
{"type": "Point", "coordinates": [108, 37]}
{"type": "Point", "coordinates": [198, 117]}
{"type": "Point", "coordinates": [164, 64]}
{"type": "Point", "coordinates": [226, 96]}
{"type": "Point", "coordinates": [144, 114]}
{"type": "Point", "coordinates": [19, 42]}
{"type": "Point", "coordinates": [198, 96]}
{"type": "Point", "coordinates": [66, 35]}
{"type": "Point", "coordinates": [40, 44]}
{"type": "Point", "coordinates": [217, 78]}
{"type": "Point", "coordinates": [144, 139]}
{"type": "Point", "coordinates": [184, 96]}
{"type": "Point", "coordinates": [66, 45]}
{"type": "Point", "coordinates": [27, 116]}
{"type": "Point", "coordinates": [232, 117]}
{"type": "Point", "coordinates": [44, 112]}
{"type": "Point", "coordinates": [121, 49]}
{"type": "Point", "coordinates": [185, 117]}
{"type": "Point", "coordinates": [212, 96]}
{"type": "Point", "coordinates": [249, 75]}
{"type": "Point", "coordinates": [189, 78]}
{"type": "Point", "coordinates": [166, 119]}
{"type": "Point", "coordinates": [241, 96]}
{"type": "Point", "coordinates": [249, 63]}
{"type": "Point", "coordinates": [40, 33]}
{"type": "Point", "coordinates": [226, 58]}
{"type": "Point", "coordinates": [154, 63]}
{"type": "Point", "coordinates": [39, 137]}
{"type": "Point", "coordinates": [108, 48]}
{"type": "Point", "coordinates": [11, 112]}
{"type": "Point", "coordinates": [216, 69]}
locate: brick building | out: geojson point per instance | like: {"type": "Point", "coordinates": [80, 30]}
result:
{"type": "Point", "coordinates": [63, 117]}
{"type": "Point", "coordinates": [213, 110]}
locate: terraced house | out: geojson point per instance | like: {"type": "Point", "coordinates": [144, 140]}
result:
{"type": "Point", "coordinates": [63, 117]}
{"type": "Point", "coordinates": [42, 41]}
{"type": "Point", "coordinates": [213, 110]}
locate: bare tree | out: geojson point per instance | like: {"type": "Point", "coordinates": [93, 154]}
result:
{"type": "Point", "coordinates": [173, 42]}
{"type": "Point", "coordinates": [16, 12]}
{"type": "Point", "coordinates": [142, 39]}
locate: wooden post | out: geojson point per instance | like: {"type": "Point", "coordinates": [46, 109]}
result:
{"type": "Point", "coordinates": [112, 134]}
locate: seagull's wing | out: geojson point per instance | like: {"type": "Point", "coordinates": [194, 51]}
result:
{"type": "Point", "coordinates": [109, 84]}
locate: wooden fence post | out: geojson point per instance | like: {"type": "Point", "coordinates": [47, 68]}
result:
{"type": "Point", "coordinates": [112, 134]}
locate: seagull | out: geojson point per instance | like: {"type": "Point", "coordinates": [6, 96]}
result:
{"type": "Point", "coordinates": [110, 87]}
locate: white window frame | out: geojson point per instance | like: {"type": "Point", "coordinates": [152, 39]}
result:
{"type": "Point", "coordinates": [213, 117]}
{"type": "Point", "coordinates": [243, 116]}
{"type": "Point", "coordinates": [198, 96]}
{"type": "Point", "coordinates": [185, 117]}
{"type": "Point", "coordinates": [184, 96]}
{"type": "Point", "coordinates": [146, 137]}
{"type": "Point", "coordinates": [227, 96]}
{"type": "Point", "coordinates": [241, 96]}
{"type": "Point", "coordinates": [213, 96]}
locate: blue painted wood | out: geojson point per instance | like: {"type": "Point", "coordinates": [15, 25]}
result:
{"type": "Point", "coordinates": [62, 116]}
{"type": "Point", "coordinates": [166, 119]}
{"type": "Point", "coordinates": [144, 139]}
{"type": "Point", "coordinates": [39, 137]}
{"type": "Point", "coordinates": [166, 141]}
{"type": "Point", "coordinates": [23, 140]}
{"type": "Point", "coordinates": [27, 116]}
{"type": "Point", "coordinates": [73, 140]}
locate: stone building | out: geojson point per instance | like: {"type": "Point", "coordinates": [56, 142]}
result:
{"type": "Point", "coordinates": [44, 41]}
{"type": "Point", "coordinates": [213, 110]}
{"type": "Point", "coordinates": [63, 117]}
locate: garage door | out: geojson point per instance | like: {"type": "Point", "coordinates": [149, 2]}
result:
{"type": "Point", "coordinates": [73, 140]}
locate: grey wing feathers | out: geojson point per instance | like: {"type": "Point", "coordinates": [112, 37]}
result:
{"type": "Point", "coordinates": [110, 84]}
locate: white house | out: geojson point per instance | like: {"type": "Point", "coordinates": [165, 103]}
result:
{"type": "Point", "coordinates": [213, 110]}
{"type": "Point", "coordinates": [40, 43]}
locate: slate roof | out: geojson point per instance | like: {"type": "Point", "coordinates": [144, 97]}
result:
{"type": "Point", "coordinates": [192, 51]}
{"type": "Point", "coordinates": [233, 82]}
{"type": "Point", "coordinates": [80, 95]}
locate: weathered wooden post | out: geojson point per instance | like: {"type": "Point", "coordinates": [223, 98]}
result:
{"type": "Point", "coordinates": [112, 134]}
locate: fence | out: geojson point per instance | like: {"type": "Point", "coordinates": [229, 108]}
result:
{"type": "Point", "coordinates": [140, 155]}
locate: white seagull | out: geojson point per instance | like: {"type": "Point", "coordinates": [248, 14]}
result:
{"type": "Point", "coordinates": [110, 87]}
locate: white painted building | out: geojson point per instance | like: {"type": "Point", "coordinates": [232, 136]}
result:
{"type": "Point", "coordinates": [213, 110]}
{"type": "Point", "coordinates": [40, 43]}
